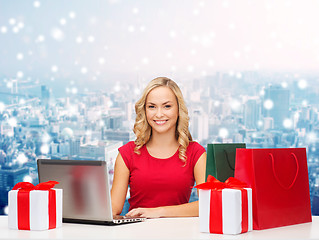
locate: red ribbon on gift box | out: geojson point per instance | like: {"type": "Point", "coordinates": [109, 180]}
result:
{"type": "Point", "coordinates": [216, 187]}
{"type": "Point", "coordinates": [23, 208]}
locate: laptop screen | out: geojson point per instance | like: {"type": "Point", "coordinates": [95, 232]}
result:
{"type": "Point", "coordinates": [85, 184]}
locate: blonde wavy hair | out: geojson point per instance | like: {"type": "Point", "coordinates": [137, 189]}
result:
{"type": "Point", "coordinates": [143, 130]}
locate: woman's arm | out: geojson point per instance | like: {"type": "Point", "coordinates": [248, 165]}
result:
{"type": "Point", "coordinates": [183, 210]}
{"type": "Point", "coordinates": [120, 185]}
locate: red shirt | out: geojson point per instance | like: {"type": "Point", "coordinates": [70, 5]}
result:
{"type": "Point", "coordinates": [158, 182]}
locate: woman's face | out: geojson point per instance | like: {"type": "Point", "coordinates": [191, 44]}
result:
{"type": "Point", "coordinates": [161, 110]}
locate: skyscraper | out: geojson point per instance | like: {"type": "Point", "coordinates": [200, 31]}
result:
{"type": "Point", "coordinates": [45, 95]}
{"type": "Point", "coordinates": [8, 178]}
{"type": "Point", "coordinates": [251, 113]}
{"type": "Point", "coordinates": [276, 104]}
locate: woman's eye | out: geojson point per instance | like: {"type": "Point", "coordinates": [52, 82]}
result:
{"type": "Point", "coordinates": [167, 106]}
{"type": "Point", "coordinates": [151, 106]}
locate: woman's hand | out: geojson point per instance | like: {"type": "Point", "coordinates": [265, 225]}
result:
{"type": "Point", "coordinates": [146, 212]}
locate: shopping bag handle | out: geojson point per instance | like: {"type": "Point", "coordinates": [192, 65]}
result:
{"type": "Point", "coordinates": [226, 154]}
{"type": "Point", "coordinates": [276, 177]}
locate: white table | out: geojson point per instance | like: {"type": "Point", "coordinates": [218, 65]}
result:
{"type": "Point", "coordinates": [163, 228]}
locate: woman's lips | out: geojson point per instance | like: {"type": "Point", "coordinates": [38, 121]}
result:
{"type": "Point", "coordinates": [160, 122]}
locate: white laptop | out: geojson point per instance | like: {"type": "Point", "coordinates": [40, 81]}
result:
{"type": "Point", "coordinates": [86, 190]}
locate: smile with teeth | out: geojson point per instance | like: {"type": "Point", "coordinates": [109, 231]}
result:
{"type": "Point", "coordinates": [160, 122]}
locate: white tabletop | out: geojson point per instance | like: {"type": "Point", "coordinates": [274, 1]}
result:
{"type": "Point", "coordinates": [163, 228]}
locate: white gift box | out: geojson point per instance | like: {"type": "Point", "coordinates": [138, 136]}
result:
{"type": "Point", "coordinates": [231, 210]}
{"type": "Point", "coordinates": [38, 209]}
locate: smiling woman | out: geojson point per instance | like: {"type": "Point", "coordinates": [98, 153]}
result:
{"type": "Point", "coordinates": [163, 163]}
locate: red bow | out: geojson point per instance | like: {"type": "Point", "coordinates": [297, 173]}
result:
{"type": "Point", "coordinates": [27, 186]}
{"type": "Point", "coordinates": [214, 184]}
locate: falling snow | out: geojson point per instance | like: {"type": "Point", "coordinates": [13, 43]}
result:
{"type": "Point", "coordinates": [36, 4]}
{"type": "Point", "coordinates": [20, 56]}
{"type": "Point", "coordinates": [57, 34]}
{"type": "Point", "coordinates": [268, 104]}
{"type": "Point", "coordinates": [302, 84]}
{"type": "Point", "coordinates": [223, 133]}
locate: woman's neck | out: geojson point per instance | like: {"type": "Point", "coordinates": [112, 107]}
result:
{"type": "Point", "coordinates": [162, 145]}
{"type": "Point", "coordinates": [163, 139]}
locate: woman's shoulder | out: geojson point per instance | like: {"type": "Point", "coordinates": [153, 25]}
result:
{"type": "Point", "coordinates": [194, 152]}
{"type": "Point", "coordinates": [195, 146]}
{"type": "Point", "coordinates": [128, 146]}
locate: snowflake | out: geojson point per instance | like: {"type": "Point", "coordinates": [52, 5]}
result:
{"type": "Point", "coordinates": [131, 28]}
{"type": "Point", "coordinates": [4, 29]}
{"type": "Point", "coordinates": [15, 29]}
{"type": "Point", "coordinates": [211, 63]}
{"type": "Point", "coordinates": [91, 39]}
{"type": "Point", "coordinates": [193, 52]}
{"type": "Point", "coordinates": [237, 54]}
{"type": "Point", "coordinates": [72, 15]}
{"type": "Point", "coordinates": [45, 149]}
{"type": "Point", "coordinates": [311, 137]}
{"type": "Point", "coordinates": [2, 107]}
{"type": "Point", "coordinates": [247, 48]}
{"type": "Point", "coordinates": [12, 21]}
{"type": "Point", "coordinates": [223, 133]}
{"type": "Point", "coordinates": [79, 40]}
{"type": "Point", "coordinates": [57, 34]}
{"type": "Point", "coordinates": [235, 105]}
{"type": "Point", "coordinates": [239, 75]}
{"type": "Point", "coordinates": [20, 74]}
{"type": "Point", "coordinates": [27, 178]}
{"type": "Point", "coordinates": [135, 10]}
{"type": "Point", "coordinates": [6, 210]}
{"type": "Point", "coordinates": [36, 4]}
{"type": "Point", "coordinates": [9, 84]}
{"type": "Point", "coordinates": [13, 122]}
{"type": "Point", "coordinates": [74, 90]}
{"type": "Point", "coordinates": [169, 55]}
{"type": "Point", "coordinates": [46, 138]}
{"type": "Point", "coordinates": [284, 84]}
{"type": "Point", "coordinates": [190, 68]}
{"type": "Point", "coordinates": [268, 104]}
{"type": "Point", "coordinates": [172, 34]}
{"type": "Point", "coordinates": [40, 38]}
{"type": "Point", "coordinates": [204, 73]}
{"type": "Point", "coordinates": [20, 25]}
{"type": "Point", "coordinates": [62, 21]}
{"type": "Point", "coordinates": [84, 70]}
{"type": "Point", "coordinates": [145, 60]}
{"type": "Point", "coordinates": [287, 123]}
{"type": "Point", "coordinates": [20, 56]}
{"type": "Point", "coordinates": [302, 84]}
{"type": "Point", "coordinates": [54, 68]}
{"type": "Point", "coordinates": [101, 60]}
{"type": "Point", "coordinates": [196, 12]}
{"type": "Point", "coordinates": [142, 28]}
{"type": "Point", "coordinates": [21, 158]}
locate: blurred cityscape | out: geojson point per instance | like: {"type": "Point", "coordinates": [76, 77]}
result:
{"type": "Point", "coordinates": [262, 109]}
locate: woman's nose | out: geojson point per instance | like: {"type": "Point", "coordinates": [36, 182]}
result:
{"type": "Point", "coordinates": [159, 112]}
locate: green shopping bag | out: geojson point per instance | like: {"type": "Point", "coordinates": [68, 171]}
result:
{"type": "Point", "coordinates": [220, 161]}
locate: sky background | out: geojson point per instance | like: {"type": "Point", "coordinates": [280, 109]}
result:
{"type": "Point", "coordinates": [95, 42]}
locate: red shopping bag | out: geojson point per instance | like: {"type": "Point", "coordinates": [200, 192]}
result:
{"type": "Point", "coordinates": [280, 185]}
